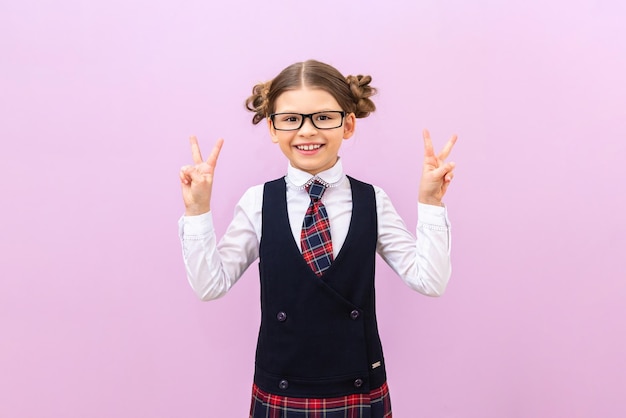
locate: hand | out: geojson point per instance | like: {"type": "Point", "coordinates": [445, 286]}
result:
{"type": "Point", "coordinates": [197, 179]}
{"type": "Point", "coordinates": [436, 174]}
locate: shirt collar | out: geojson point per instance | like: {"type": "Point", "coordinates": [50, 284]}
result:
{"type": "Point", "coordinates": [330, 177]}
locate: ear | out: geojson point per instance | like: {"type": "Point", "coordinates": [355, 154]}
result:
{"type": "Point", "coordinates": [273, 135]}
{"type": "Point", "coordinates": [349, 125]}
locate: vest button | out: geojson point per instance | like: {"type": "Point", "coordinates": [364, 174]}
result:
{"type": "Point", "coordinates": [355, 314]}
{"type": "Point", "coordinates": [281, 316]}
{"type": "Point", "coordinates": [358, 383]}
{"type": "Point", "coordinates": [283, 384]}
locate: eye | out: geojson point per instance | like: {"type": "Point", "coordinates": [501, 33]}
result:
{"type": "Point", "coordinates": [290, 118]}
{"type": "Point", "coordinates": [324, 116]}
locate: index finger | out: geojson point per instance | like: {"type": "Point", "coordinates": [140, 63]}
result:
{"type": "Point", "coordinates": [195, 150]}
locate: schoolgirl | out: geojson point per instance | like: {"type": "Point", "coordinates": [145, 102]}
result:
{"type": "Point", "coordinates": [316, 232]}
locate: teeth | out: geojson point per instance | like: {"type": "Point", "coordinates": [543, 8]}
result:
{"type": "Point", "coordinates": [308, 147]}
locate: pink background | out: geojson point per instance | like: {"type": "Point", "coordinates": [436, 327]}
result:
{"type": "Point", "coordinates": [98, 98]}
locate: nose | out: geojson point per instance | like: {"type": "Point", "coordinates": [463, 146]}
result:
{"type": "Point", "coordinates": [307, 125]}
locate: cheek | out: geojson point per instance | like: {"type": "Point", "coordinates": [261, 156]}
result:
{"type": "Point", "coordinates": [284, 141]}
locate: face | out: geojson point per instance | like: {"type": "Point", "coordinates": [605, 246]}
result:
{"type": "Point", "coordinates": [308, 148]}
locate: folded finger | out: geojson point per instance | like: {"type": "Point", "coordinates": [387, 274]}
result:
{"type": "Point", "coordinates": [184, 177]}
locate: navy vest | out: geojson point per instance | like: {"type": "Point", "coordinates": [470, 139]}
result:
{"type": "Point", "coordinates": [318, 336]}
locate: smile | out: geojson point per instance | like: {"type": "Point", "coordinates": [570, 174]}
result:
{"type": "Point", "coordinates": [308, 147]}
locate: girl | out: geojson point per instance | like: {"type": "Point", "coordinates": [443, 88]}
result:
{"type": "Point", "coordinates": [316, 232]}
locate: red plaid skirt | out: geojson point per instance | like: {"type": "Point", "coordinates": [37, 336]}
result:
{"type": "Point", "coordinates": [376, 404]}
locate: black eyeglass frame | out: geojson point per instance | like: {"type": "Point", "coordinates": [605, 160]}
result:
{"type": "Point", "coordinates": [310, 116]}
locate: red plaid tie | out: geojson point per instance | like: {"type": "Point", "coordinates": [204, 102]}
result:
{"type": "Point", "coordinates": [317, 249]}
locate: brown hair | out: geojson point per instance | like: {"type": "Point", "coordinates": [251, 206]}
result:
{"type": "Point", "coordinates": [352, 92]}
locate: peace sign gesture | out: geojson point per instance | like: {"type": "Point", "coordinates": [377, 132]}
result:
{"type": "Point", "coordinates": [197, 179]}
{"type": "Point", "coordinates": [437, 173]}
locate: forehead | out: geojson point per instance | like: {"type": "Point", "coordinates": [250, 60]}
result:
{"type": "Point", "coordinates": [305, 100]}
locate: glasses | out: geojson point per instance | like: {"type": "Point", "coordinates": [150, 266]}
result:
{"type": "Point", "coordinates": [321, 120]}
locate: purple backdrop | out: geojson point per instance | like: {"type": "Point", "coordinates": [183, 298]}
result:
{"type": "Point", "coordinates": [97, 100]}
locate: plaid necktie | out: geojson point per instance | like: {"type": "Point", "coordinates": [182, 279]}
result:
{"type": "Point", "coordinates": [317, 249]}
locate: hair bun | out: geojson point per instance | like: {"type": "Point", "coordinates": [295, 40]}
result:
{"type": "Point", "coordinates": [258, 102]}
{"type": "Point", "coordinates": [362, 91]}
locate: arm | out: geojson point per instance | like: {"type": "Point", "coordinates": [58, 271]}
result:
{"type": "Point", "coordinates": [423, 263]}
{"type": "Point", "coordinates": [212, 268]}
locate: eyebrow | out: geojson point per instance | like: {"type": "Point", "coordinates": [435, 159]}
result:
{"type": "Point", "coordinates": [308, 113]}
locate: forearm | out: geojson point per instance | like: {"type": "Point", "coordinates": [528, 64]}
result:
{"type": "Point", "coordinates": [213, 268]}
{"type": "Point", "coordinates": [433, 268]}
{"type": "Point", "coordinates": [204, 271]}
{"type": "Point", "coordinates": [422, 261]}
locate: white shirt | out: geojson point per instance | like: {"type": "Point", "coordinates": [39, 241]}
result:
{"type": "Point", "coordinates": [214, 267]}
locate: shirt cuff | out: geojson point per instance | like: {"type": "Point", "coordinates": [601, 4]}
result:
{"type": "Point", "coordinates": [432, 215]}
{"type": "Point", "coordinates": [198, 225]}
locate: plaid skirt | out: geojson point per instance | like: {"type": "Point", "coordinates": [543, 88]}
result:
{"type": "Point", "coordinates": [376, 404]}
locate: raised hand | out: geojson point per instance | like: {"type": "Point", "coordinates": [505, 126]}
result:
{"type": "Point", "coordinates": [436, 173]}
{"type": "Point", "coordinates": [197, 179]}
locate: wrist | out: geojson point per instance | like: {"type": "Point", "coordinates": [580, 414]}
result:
{"type": "Point", "coordinates": [430, 201]}
{"type": "Point", "coordinates": [196, 210]}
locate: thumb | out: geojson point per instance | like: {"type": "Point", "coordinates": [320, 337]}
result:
{"type": "Point", "coordinates": [443, 170]}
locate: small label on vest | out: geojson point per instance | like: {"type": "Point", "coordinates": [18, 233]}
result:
{"type": "Point", "coordinates": [375, 365]}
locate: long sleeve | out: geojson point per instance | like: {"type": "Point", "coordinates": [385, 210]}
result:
{"type": "Point", "coordinates": [214, 267]}
{"type": "Point", "coordinates": [423, 261]}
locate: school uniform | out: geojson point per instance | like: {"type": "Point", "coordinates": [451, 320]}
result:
{"type": "Point", "coordinates": [318, 349]}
